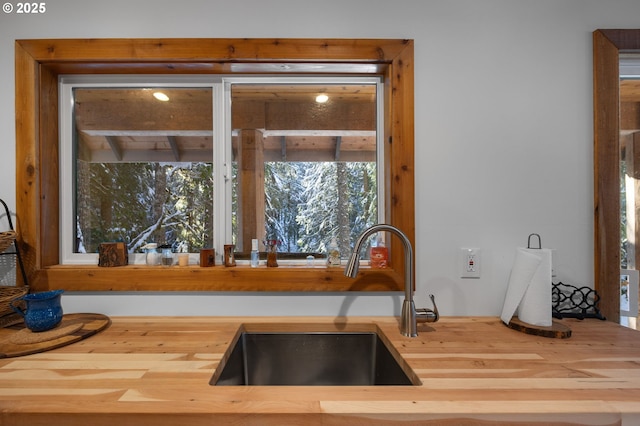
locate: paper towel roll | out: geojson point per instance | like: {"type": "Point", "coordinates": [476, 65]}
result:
{"type": "Point", "coordinates": [529, 290]}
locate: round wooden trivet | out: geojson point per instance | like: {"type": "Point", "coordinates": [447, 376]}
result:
{"type": "Point", "coordinates": [28, 337]}
{"type": "Point", "coordinates": [557, 329]}
{"type": "Point", "coordinates": [85, 324]}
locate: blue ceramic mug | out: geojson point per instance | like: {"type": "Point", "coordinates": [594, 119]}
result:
{"type": "Point", "coordinates": [43, 312]}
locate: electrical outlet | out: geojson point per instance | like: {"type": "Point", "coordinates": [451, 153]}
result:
{"type": "Point", "coordinates": [470, 263]}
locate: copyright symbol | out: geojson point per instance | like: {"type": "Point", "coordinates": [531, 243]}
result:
{"type": "Point", "coordinates": [7, 8]}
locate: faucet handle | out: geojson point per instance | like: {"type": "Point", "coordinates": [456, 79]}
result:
{"type": "Point", "coordinates": [428, 315]}
{"type": "Point", "coordinates": [433, 302]}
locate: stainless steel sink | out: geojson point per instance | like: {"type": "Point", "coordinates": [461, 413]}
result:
{"type": "Point", "coordinates": [311, 359]}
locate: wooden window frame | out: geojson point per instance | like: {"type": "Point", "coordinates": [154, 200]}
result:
{"type": "Point", "coordinates": [607, 45]}
{"type": "Point", "coordinates": [38, 63]}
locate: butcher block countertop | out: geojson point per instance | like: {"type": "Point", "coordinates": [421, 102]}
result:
{"type": "Point", "coordinates": [474, 370]}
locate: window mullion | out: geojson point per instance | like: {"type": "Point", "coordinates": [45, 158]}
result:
{"type": "Point", "coordinates": [222, 166]}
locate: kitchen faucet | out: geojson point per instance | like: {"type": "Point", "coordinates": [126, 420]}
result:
{"type": "Point", "coordinates": [410, 315]}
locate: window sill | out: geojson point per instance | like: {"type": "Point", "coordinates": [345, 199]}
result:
{"type": "Point", "coordinates": [217, 278]}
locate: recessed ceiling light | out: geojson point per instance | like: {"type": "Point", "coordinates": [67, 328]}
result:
{"type": "Point", "coordinates": [160, 96]}
{"type": "Point", "coordinates": [322, 98]}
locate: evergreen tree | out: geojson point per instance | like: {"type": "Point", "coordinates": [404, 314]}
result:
{"type": "Point", "coordinates": [145, 202]}
{"type": "Point", "coordinates": [307, 204]}
{"type": "Point", "coordinates": [282, 197]}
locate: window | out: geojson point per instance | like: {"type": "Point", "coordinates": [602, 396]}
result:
{"type": "Point", "coordinates": [40, 63]}
{"type": "Point", "coordinates": [313, 161]}
{"type": "Point", "coordinates": [143, 162]}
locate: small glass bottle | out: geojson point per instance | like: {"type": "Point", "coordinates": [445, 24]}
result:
{"type": "Point", "coordinates": [272, 253]}
{"type": "Point", "coordinates": [152, 257]}
{"type": "Point", "coordinates": [255, 256]}
{"type": "Point", "coordinates": [333, 256]}
{"type": "Point", "coordinates": [379, 254]}
{"type": "Point", "coordinates": [229, 255]}
{"type": "Point", "coordinates": [166, 255]}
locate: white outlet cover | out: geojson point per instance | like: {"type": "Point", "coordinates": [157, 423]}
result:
{"type": "Point", "coordinates": [470, 261]}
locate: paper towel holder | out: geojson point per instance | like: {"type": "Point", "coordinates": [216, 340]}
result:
{"type": "Point", "coordinates": [539, 242]}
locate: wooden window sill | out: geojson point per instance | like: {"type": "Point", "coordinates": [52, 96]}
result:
{"type": "Point", "coordinates": [217, 278]}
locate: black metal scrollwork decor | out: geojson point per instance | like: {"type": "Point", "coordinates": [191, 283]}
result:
{"type": "Point", "coordinates": [574, 302]}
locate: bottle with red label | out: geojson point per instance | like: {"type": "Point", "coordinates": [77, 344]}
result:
{"type": "Point", "coordinates": [379, 254]}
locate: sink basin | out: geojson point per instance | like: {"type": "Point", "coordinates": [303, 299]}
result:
{"type": "Point", "coordinates": [311, 359]}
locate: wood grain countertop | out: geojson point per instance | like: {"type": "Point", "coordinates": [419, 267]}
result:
{"type": "Point", "coordinates": [474, 370]}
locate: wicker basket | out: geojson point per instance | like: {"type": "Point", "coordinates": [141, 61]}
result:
{"type": "Point", "coordinates": [8, 294]}
{"type": "Point", "coordinates": [6, 239]}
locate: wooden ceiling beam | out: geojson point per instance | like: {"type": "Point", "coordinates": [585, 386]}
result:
{"type": "Point", "coordinates": [283, 148]}
{"type": "Point", "coordinates": [115, 148]}
{"type": "Point", "coordinates": [173, 143]}
{"type": "Point", "coordinates": [157, 156]}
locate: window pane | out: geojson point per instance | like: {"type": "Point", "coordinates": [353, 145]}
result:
{"type": "Point", "coordinates": [308, 204]}
{"type": "Point", "coordinates": [306, 170]}
{"type": "Point", "coordinates": [144, 169]}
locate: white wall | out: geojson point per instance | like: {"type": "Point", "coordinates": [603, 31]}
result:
{"type": "Point", "coordinates": [504, 136]}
